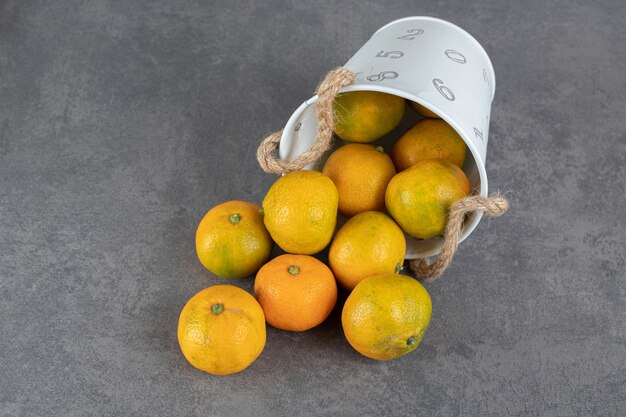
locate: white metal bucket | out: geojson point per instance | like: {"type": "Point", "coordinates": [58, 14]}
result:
{"type": "Point", "coordinates": [434, 63]}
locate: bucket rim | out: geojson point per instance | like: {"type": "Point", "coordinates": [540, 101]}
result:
{"type": "Point", "coordinates": [472, 222]}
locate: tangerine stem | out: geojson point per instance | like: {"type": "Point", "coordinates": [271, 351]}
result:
{"type": "Point", "coordinates": [293, 270]}
{"type": "Point", "coordinates": [234, 218]}
{"type": "Point", "coordinates": [411, 341]}
{"type": "Point", "coordinates": [217, 309]}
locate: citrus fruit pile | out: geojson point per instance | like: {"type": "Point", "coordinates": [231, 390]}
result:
{"type": "Point", "coordinates": [222, 329]}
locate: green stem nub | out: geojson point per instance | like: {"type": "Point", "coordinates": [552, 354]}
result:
{"type": "Point", "coordinates": [380, 149]}
{"type": "Point", "coordinates": [234, 218]}
{"type": "Point", "coordinates": [293, 270]}
{"type": "Point", "coordinates": [411, 341]}
{"type": "Point", "coordinates": [261, 211]}
{"type": "Point", "coordinates": [399, 267]}
{"type": "Point", "coordinates": [217, 309]}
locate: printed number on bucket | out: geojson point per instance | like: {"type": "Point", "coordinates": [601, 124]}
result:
{"type": "Point", "coordinates": [390, 54]}
{"type": "Point", "coordinates": [385, 75]}
{"type": "Point", "coordinates": [485, 76]}
{"type": "Point", "coordinates": [479, 135]}
{"type": "Point", "coordinates": [445, 91]}
{"type": "Point", "coordinates": [455, 56]}
{"type": "Point", "coordinates": [411, 34]}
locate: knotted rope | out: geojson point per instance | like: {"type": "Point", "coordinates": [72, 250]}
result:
{"type": "Point", "coordinates": [328, 88]}
{"type": "Point", "coordinates": [493, 206]}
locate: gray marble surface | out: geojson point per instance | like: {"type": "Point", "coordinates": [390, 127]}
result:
{"type": "Point", "coordinates": [122, 122]}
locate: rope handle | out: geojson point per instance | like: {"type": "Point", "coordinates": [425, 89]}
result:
{"type": "Point", "coordinates": [493, 206]}
{"type": "Point", "coordinates": [326, 92]}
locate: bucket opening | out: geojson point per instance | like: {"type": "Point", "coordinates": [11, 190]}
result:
{"type": "Point", "coordinates": [303, 126]}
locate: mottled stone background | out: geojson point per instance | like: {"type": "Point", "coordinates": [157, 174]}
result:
{"type": "Point", "coordinates": [122, 122]}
